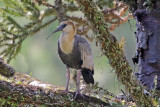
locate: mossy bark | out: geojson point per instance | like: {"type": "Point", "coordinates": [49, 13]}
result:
{"type": "Point", "coordinates": [27, 94]}
{"type": "Point", "coordinates": [23, 89]}
{"type": "Point", "coordinates": [5, 69]}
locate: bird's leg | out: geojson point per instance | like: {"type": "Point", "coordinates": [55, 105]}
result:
{"type": "Point", "coordinates": [78, 84]}
{"type": "Point", "coordinates": [68, 78]}
{"type": "Point", "coordinates": [78, 80]}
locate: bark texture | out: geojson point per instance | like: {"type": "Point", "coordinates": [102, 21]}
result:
{"type": "Point", "coordinates": [5, 69]}
{"type": "Point", "coordinates": [148, 46]}
{"type": "Point", "coordinates": [60, 10]}
{"type": "Point", "coordinates": [28, 94]}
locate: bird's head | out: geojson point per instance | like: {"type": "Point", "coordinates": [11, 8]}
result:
{"type": "Point", "coordinates": [65, 26]}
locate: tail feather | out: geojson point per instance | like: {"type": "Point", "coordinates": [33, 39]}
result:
{"type": "Point", "coordinates": [87, 75]}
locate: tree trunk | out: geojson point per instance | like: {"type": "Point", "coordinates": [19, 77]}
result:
{"type": "Point", "coordinates": [147, 55]}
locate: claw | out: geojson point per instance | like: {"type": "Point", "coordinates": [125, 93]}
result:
{"type": "Point", "coordinates": [78, 94]}
{"type": "Point", "coordinates": [65, 91]}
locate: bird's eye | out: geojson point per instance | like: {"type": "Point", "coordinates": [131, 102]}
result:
{"type": "Point", "coordinates": [64, 25]}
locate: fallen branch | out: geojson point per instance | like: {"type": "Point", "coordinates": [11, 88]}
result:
{"type": "Point", "coordinates": [28, 94]}
{"type": "Point", "coordinates": [23, 89]}
{"type": "Point", "coordinates": [5, 69]}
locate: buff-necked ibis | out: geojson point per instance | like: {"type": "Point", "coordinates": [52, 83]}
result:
{"type": "Point", "coordinates": [75, 52]}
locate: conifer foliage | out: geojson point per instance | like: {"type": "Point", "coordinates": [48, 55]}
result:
{"type": "Point", "coordinates": [34, 12]}
{"type": "Point", "coordinates": [13, 32]}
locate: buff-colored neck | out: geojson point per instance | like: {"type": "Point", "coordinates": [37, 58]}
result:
{"type": "Point", "coordinates": [66, 41]}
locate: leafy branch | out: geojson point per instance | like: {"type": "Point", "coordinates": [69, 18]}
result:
{"type": "Point", "coordinates": [14, 32]}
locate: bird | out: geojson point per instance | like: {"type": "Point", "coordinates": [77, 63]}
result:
{"type": "Point", "coordinates": [75, 52]}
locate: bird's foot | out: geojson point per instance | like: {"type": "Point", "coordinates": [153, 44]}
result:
{"type": "Point", "coordinates": [78, 94]}
{"type": "Point", "coordinates": [65, 91]}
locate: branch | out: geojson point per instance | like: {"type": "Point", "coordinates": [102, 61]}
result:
{"type": "Point", "coordinates": [111, 49]}
{"type": "Point", "coordinates": [131, 3]}
{"type": "Point", "coordinates": [5, 69]}
{"type": "Point", "coordinates": [43, 2]}
{"type": "Point", "coordinates": [13, 32]}
{"type": "Point", "coordinates": [27, 94]}
{"type": "Point", "coordinates": [22, 89]}
{"type": "Point", "coordinates": [61, 14]}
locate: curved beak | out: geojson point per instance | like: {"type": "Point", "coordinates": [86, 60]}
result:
{"type": "Point", "coordinates": [60, 28]}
